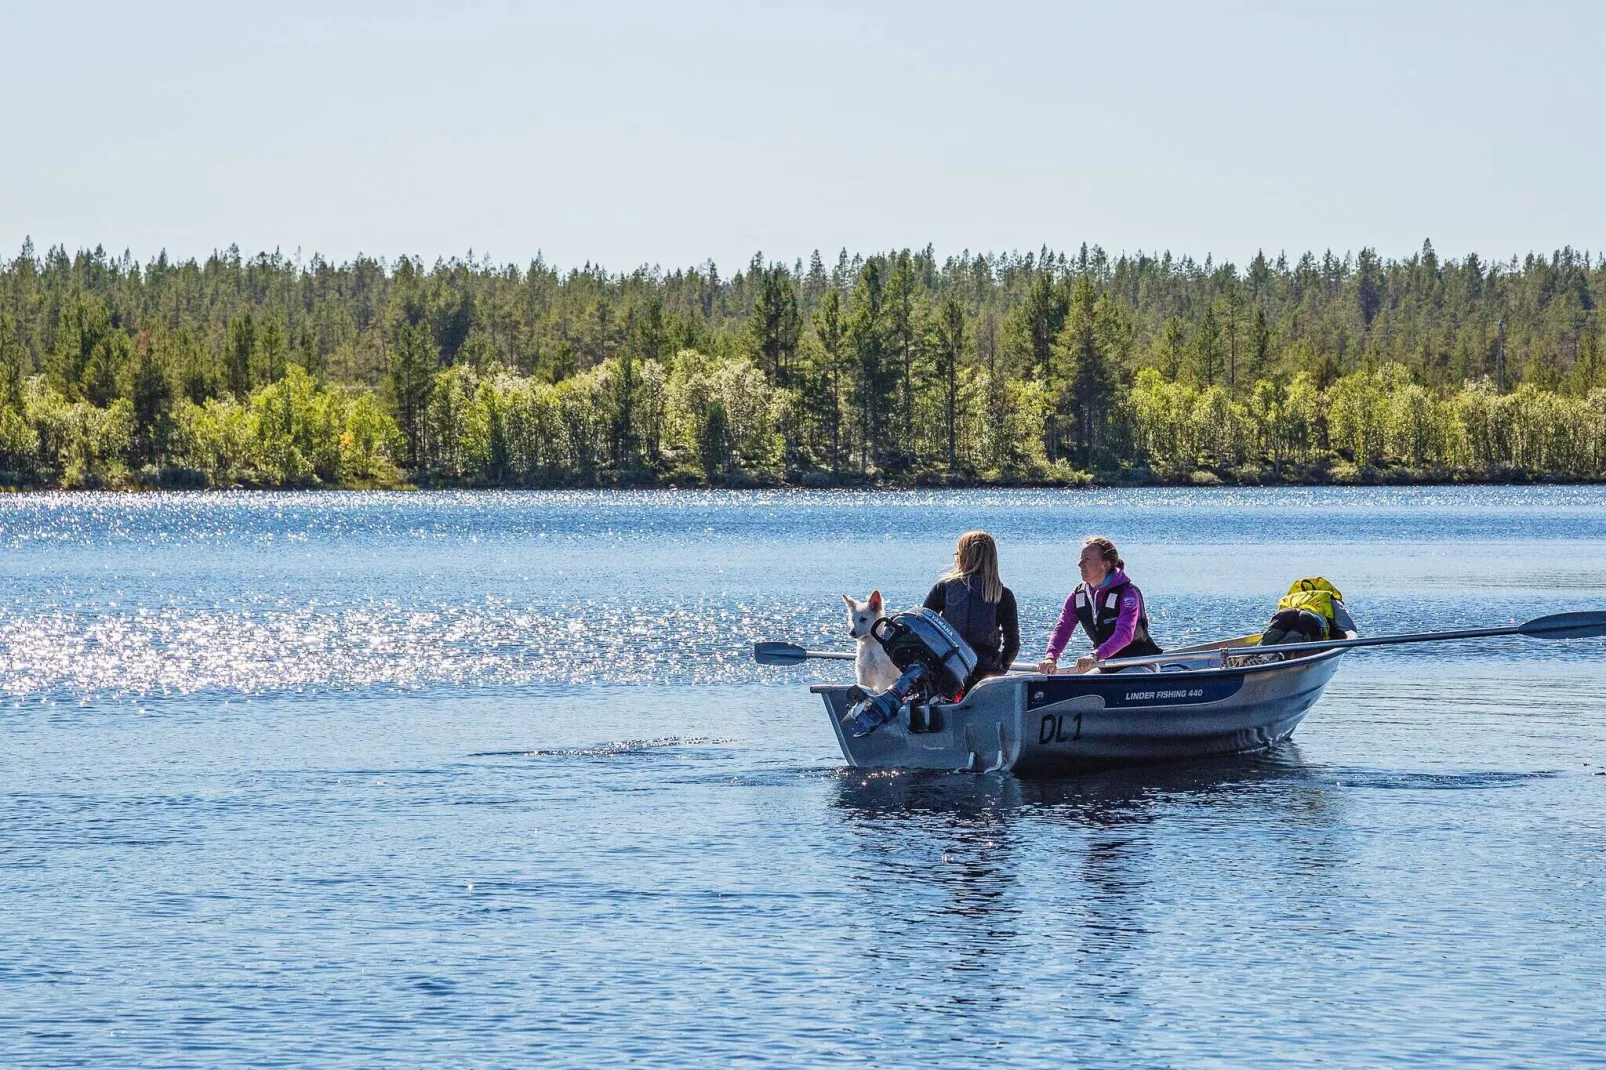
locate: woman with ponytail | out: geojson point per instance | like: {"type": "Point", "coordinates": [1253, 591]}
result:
{"type": "Point", "coordinates": [1107, 605]}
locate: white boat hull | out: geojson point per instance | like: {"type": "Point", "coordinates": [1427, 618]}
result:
{"type": "Point", "coordinates": [1036, 725]}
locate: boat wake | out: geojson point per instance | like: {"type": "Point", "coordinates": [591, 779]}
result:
{"type": "Point", "coordinates": [1416, 781]}
{"type": "Point", "coordinates": [624, 748]}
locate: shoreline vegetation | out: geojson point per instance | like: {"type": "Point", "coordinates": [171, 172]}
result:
{"type": "Point", "coordinates": [1036, 369]}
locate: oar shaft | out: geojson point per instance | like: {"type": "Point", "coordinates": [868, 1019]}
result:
{"type": "Point", "coordinates": [1556, 626]}
{"type": "Point", "coordinates": [1582, 625]}
{"type": "Point", "coordinates": [842, 655]}
{"type": "Point", "coordinates": [1390, 640]}
{"type": "Point", "coordinates": [1332, 644]}
{"type": "Point", "coordinates": [777, 653]}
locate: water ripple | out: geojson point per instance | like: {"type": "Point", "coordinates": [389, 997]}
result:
{"type": "Point", "coordinates": [620, 749]}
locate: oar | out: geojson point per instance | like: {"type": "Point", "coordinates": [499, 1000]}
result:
{"type": "Point", "coordinates": [1555, 626]}
{"type": "Point", "coordinates": [775, 653]}
{"type": "Point", "coordinates": [792, 654]}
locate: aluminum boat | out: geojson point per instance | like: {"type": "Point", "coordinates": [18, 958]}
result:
{"type": "Point", "coordinates": [1219, 698]}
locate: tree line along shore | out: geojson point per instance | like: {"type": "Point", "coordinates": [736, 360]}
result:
{"type": "Point", "coordinates": [891, 369]}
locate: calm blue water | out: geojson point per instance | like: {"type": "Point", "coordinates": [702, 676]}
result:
{"type": "Point", "coordinates": [487, 779]}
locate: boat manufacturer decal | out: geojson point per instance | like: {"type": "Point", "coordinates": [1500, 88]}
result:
{"type": "Point", "coordinates": [1132, 690]}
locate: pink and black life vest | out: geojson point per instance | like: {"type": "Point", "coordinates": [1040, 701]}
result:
{"type": "Point", "coordinates": [1099, 610]}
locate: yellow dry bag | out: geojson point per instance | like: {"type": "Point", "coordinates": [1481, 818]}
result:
{"type": "Point", "coordinates": [1315, 594]}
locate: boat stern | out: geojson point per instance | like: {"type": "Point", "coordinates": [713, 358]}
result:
{"type": "Point", "coordinates": [977, 734]}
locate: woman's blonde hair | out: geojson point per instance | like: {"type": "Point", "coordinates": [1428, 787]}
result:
{"type": "Point", "coordinates": [977, 556]}
{"type": "Point", "coordinates": [1107, 550]}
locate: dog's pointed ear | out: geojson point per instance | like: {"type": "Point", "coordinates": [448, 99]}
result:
{"type": "Point", "coordinates": [875, 600]}
{"type": "Point", "coordinates": [848, 598]}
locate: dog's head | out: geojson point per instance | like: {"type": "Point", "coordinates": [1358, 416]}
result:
{"type": "Point", "coordinates": [861, 615]}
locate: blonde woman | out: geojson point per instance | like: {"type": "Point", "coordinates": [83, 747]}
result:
{"type": "Point", "coordinates": [1107, 605]}
{"type": "Point", "coordinates": [972, 598]}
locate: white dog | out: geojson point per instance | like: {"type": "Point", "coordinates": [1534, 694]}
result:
{"type": "Point", "coordinates": [875, 670]}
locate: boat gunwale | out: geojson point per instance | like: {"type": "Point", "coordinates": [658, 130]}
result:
{"type": "Point", "coordinates": [1274, 666]}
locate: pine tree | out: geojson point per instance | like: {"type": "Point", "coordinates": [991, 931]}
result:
{"type": "Point", "coordinates": [775, 322]}
{"type": "Point", "coordinates": [1207, 348]}
{"type": "Point", "coordinates": [13, 358]}
{"type": "Point", "coordinates": [1172, 347]}
{"type": "Point", "coordinates": [270, 352]}
{"type": "Point", "coordinates": [815, 283]}
{"type": "Point", "coordinates": [832, 333]}
{"type": "Point", "coordinates": [152, 395]}
{"type": "Point", "coordinates": [1259, 275]}
{"type": "Point", "coordinates": [239, 355]}
{"type": "Point", "coordinates": [1232, 305]}
{"type": "Point", "coordinates": [1368, 285]}
{"type": "Point", "coordinates": [901, 332]}
{"type": "Point", "coordinates": [867, 328]}
{"type": "Point", "coordinates": [950, 353]}
{"type": "Point", "coordinates": [1259, 347]}
{"type": "Point", "coordinates": [84, 342]}
{"type": "Point", "coordinates": [1090, 382]}
{"type": "Point", "coordinates": [651, 341]}
{"type": "Point", "coordinates": [1038, 321]}
{"type": "Point", "coordinates": [451, 314]}
{"type": "Point", "coordinates": [411, 377]}
{"type": "Point", "coordinates": [624, 386]}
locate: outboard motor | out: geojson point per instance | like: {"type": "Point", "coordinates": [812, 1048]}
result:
{"type": "Point", "coordinates": [935, 662]}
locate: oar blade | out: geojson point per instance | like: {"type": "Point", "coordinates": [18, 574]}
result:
{"type": "Point", "coordinates": [1567, 626]}
{"type": "Point", "coordinates": [779, 653]}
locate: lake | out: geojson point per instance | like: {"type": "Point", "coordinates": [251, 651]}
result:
{"type": "Point", "coordinates": [475, 779]}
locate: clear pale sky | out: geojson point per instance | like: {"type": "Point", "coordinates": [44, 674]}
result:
{"type": "Point", "coordinates": [658, 133]}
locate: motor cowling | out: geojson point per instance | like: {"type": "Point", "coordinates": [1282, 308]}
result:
{"type": "Point", "coordinates": [934, 661]}
{"type": "Point", "coordinates": [924, 638]}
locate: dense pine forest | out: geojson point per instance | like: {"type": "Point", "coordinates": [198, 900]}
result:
{"type": "Point", "coordinates": [893, 368]}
